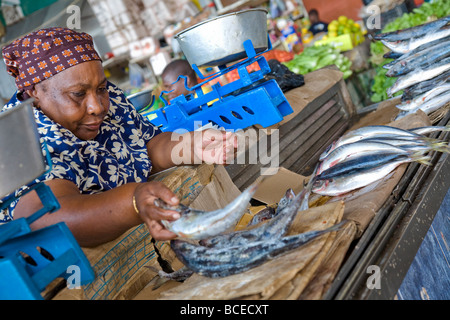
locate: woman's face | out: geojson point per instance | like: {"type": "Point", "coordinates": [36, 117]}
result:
{"type": "Point", "coordinates": [76, 98]}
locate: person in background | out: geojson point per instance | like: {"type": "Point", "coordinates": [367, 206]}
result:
{"type": "Point", "coordinates": [170, 75]}
{"type": "Point", "coordinates": [317, 26]}
{"type": "Point", "coordinates": [102, 150]}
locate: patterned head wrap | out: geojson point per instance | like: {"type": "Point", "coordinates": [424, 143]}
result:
{"type": "Point", "coordinates": [46, 52]}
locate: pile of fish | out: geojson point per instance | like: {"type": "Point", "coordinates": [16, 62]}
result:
{"type": "Point", "coordinates": [422, 65]}
{"type": "Point", "coordinates": [220, 253]}
{"type": "Point", "coordinates": [368, 154]}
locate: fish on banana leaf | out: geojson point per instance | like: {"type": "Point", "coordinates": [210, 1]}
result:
{"type": "Point", "coordinates": [197, 224]}
{"type": "Point", "coordinates": [230, 260]}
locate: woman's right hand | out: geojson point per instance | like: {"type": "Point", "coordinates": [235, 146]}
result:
{"type": "Point", "coordinates": [145, 195]}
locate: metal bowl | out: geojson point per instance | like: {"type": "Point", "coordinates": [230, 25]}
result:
{"type": "Point", "coordinates": [219, 41]}
{"type": "Point", "coordinates": [141, 99]}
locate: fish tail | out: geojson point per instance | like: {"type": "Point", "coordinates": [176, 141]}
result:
{"type": "Point", "coordinates": [430, 141]}
{"type": "Point", "coordinates": [440, 147]}
{"type": "Point", "coordinates": [420, 158]}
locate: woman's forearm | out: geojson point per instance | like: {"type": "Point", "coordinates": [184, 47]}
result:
{"type": "Point", "coordinates": [92, 219]}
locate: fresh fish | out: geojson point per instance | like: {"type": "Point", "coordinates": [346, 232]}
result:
{"type": "Point", "coordinates": [417, 51]}
{"type": "Point", "coordinates": [413, 32]}
{"type": "Point", "coordinates": [435, 103]}
{"type": "Point", "coordinates": [404, 46]}
{"type": "Point", "coordinates": [424, 86]}
{"type": "Point", "coordinates": [419, 75]}
{"type": "Point", "coordinates": [420, 60]}
{"type": "Point", "coordinates": [398, 57]}
{"type": "Point", "coordinates": [197, 224]}
{"type": "Point", "coordinates": [414, 105]}
{"type": "Point", "coordinates": [273, 228]}
{"type": "Point", "coordinates": [342, 184]}
{"type": "Point", "coordinates": [361, 163]}
{"type": "Point", "coordinates": [430, 129]}
{"type": "Point", "coordinates": [229, 260]}
{"type": "Point", "coordinates": [429, 106]}
{"type": "Point", "coordinates": [368, 132]}
{"type": "Point", "coordinates": [356, 149]}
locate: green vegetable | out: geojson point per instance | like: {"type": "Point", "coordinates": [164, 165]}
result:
{"type": "Point", "coordinates": [316, 57]}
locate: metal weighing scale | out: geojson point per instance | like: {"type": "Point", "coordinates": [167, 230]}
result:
{"type": "Point", "coordinates": [30, 260]}
{"type": "Point", "coordinates": [242, 103]}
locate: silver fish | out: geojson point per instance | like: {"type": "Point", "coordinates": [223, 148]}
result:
{"type": "Point", "coordinates": [414, 105]}
{"type": "Point", "coordinates": [412, 78]}
{"type": "Point", "coordinates": [356, 149]}
{"type": "Point", "coordinates": [197, 224]}
{"type": "Point", "coordinates": [342, 184]}
{"type": "Point", "coordinates": [412, 32]}
{"type": "Point", "coordinates": [436, 44]}
{"type": "Point", "coordinates": [368, 132]}
{"type": "Point", "coordinates": [420, 60]}
{"type": "Point", "coordinates": [404, 46]}
{"type": "Point", "coordinates": [424, 86]}
{"type": "Point", "coordinates": [430, 105]}
{"type": "Point", "coordinates": [414, 145]}
{"type": "Point", "coordinates": [226, 261]}
{"type": "Point", "coordinates": [430, 129]}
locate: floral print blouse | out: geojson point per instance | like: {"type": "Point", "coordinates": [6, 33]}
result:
{"type": "Point", "coordinates": [118, 154]}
